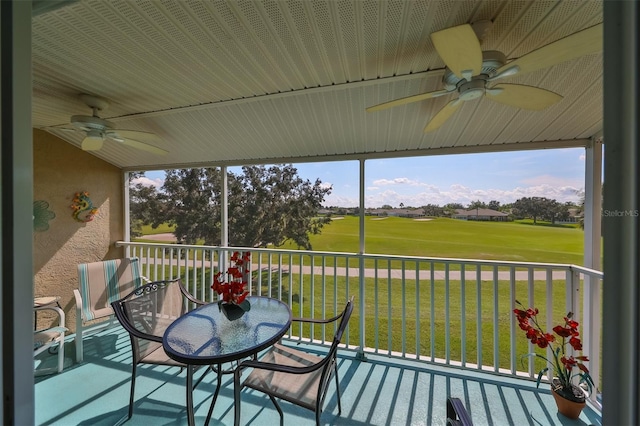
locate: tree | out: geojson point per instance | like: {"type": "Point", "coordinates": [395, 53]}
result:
{"type": "Point", "coordinates": [581, 208]}
{"type": "Point", "coordinates": [142, 204]}
{"type": "Point", "coordinates": [450, 209]}
{"type": "Point", "coordinates": [266, 206]}
{"type": "Point", "coordinates": [528, 207]}
{"type": "Point", "coordinates": [275, 205]}
{"type": "Point", "coordinates": [477, 205]}
{"type": "Point", "coordinates": [538, 208]}
{"type": "Point", "coordinates": [433, 210]}
{"type": "Point", "coordinates": [557, 211]}
{"type": "Point", "coordinates": [494, 205]}
{"type": "Point", "coordinates": [190, 201]}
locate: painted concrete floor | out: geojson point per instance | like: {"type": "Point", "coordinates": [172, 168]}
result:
{"type": "Point", "coordinates": [379, 391]}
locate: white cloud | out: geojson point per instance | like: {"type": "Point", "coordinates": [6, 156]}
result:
{"type": "Point", "coordinates": [157, 182]}
{"type": "Point", "coordinates": [340, 201]}
{"type": "Point", "coordinates": [397, 181]}
{"type": "Point", "coordinates": [456, 193]}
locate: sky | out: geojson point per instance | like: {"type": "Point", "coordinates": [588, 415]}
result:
{"type": "Point", "coordinates": [441, 179]}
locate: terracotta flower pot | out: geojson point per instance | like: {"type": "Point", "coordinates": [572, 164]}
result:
{"type": "Point", "coordinates": [567, 407]}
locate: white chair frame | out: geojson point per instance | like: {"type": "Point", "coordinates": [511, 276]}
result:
{"type": "Point", "coordinates": [50, 337]}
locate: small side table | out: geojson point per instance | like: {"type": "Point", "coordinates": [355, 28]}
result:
{"type": "Point", "coordinates": [51, 338]}
{"type": "Point", "coordinates": [41, 302]}
{"type": "Point", "coordinates": [45, 300]}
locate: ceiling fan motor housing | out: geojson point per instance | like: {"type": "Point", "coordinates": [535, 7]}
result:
{"type": "Point", "coordinates": [87, 123]}
{"type": "Point", "coordinates": [473, 89]}
{"type": "Point", "coordinates": [491, 61]}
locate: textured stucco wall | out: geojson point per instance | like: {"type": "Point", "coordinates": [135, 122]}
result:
{"type": "Point", "coordinates": [61, 170]}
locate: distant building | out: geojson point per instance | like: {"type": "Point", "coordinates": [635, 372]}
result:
{"type": "Point", "coordinates": [410, 213]}
{"type": "Point", "coordinates": [575, 214]}
{"type": "Point", "coordinates": [376, 212]}
{"type": "Point", "coordinates": [480, 214]}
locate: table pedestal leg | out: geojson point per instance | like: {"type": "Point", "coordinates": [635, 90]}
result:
{"type": "Point", "coordinates": [215, 395]}
{"type": "Point", "coordinates": [236, 396]}
{"type": "Point", "coordinates": [190, 418]}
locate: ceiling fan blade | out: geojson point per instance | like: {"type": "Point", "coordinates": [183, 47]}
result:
{"type": "Point", "coordinates": [443, 115]}
{"type": "Point", "coordinates": [521, 96]}
{"type": "Point", "coordinates": [90, 143]}
{"type": "Point", "coordinates": [134, 134]}
{"type": "Point", "coordinates": [407, 100]}
{"type": "Point", "coordinates": [571, 47]}
{"type": "Point", "coordinates": [141, 145]}
{"type": "Point", "coordinates": [64, 129]}
{"type": "Point", "coordinates": [460, 49]}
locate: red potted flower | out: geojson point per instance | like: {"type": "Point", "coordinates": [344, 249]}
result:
{"type": "Point", "coordinates": [232, 286]}
{"type": "Point", "coordinates": [562, 367]}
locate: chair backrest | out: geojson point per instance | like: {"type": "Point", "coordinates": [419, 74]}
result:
{"type": "Point", "coordinates": [344, 321]}
{"type": "Point", "coordinates": [147, 312]}
{"type": "Point", "coordinates": [101, 283]}
{"type": "Point", "coordinates": [329, 361]}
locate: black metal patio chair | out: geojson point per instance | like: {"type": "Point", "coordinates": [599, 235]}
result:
{"type": "Point", "coordinates": [146, 313]}
{"type": "Point", "coordinates": [294, 375]}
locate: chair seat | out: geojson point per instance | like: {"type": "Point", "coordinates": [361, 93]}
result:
{"type": "Point", "coordinates": [160, 357]}
{"type": "Point", "coordinates": [301, 389]}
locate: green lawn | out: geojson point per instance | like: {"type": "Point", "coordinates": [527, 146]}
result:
{"type": "Point", "coordinates": [510, 241]}
{"type": "Point", "coordinates": [442, 237]}
{"type": "Point", "coordinates": [162, 229]}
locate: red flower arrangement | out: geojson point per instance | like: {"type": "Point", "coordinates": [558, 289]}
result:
{"type": "Point", "coordinates": [231, 285]}
{"type": "Point", "coordinates": [562, 364]}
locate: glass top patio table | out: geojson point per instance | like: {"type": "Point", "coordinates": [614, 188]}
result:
{"type": "Point", "coordinates": [206, 337]}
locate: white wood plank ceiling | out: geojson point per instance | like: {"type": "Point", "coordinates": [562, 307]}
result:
{"type": "Point", "coordinates": [238, 82]}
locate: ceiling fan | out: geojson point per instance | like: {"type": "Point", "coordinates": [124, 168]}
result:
{"type": "Point", "coordinates": [98, 130]}
{"type": "Point", "coordinates": [470, 71]}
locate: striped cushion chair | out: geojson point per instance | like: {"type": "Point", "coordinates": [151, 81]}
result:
{"type": "Point", "coordinates": [99, 284]}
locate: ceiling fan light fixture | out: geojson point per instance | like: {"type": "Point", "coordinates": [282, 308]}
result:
{"type": "Point", "coordinates": [93, 141]}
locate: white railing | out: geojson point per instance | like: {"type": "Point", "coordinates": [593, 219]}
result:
{"type": "Point", "coordinates": [455, 312]}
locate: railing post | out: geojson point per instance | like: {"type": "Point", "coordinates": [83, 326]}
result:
{"type": "Point", "coordinates": [573, 292]}
{"type": "Point", "coordinates": [361, 279]}
{"type": "Point", "coordinates": [591, 323]}
{"type": "Point", "coordinates": [361, 283]}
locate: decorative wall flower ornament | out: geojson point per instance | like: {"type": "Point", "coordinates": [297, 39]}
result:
{"type": "Point", "coordinates": [41, 216]}
{"type": "Point", "coordinates": [83, 210]}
